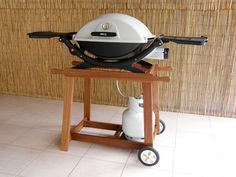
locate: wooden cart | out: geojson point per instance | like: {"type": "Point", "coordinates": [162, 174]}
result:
{"type": "Point", "coordinates": [149, 81]}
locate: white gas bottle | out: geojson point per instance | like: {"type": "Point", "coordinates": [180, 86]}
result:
{"type": "Point", "coordinates": [133, 119]}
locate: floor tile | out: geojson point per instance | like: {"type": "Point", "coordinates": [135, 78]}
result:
{"type": "Point", "coordinates": [50, 124]}
{"type": "Point", "coordinates": [15, 159]}
{"type": "Point", "coordinates": [227, 157]}
{"type": "Point", "coordinates": [78, 109]}
{"type": "Point", "coordinates": [102, 112]}
{"type": "Point", "coordinates": [176, 174]}
{"type": "Point", "coordinates": [18, 100]}
{"type": "Point", "coordinates": [194, 139]}
{"type": "Point", "coordinates": [169, 115]}
{"type": "Point", "coordinates": [8, 133]}
{"type": "Point", "coordinates": [108, 153]}
{"type": "Point", "coordinates": [76, 148]}
{"type": "Point", "coordinates": [46, 107]}
{"type": "Point", "coordinates": [2, 121]}
{"type": "Point", "coordinates": [222, 122]}
{"type": "Point", "coordinates": [24, 120]}
{"type": "Point", "coordinates": [36, 139]}
{"type": "Point", "coordinates": [6, 113]}
{"type": "Point", "coordinates": [168, 137]}
{"type": "Point", "coordinates": [194, 123]}
{"type": "Point", "coordinates": [222, 128]}
{"type": "Point", "coordinates": [92, 167]}
{"type": "Point", "coordinates": [51, 165]}
{"type": "Point", "coordinates": [6, 175]}
{"type": "Point", "coordinates": [229, 171]}
{"type": "Point", "coordinates": [137, 171]}
{"type": "Point", "coordinates": [117, 117]}
{"type": "Point", "coordinates": [198, 160]}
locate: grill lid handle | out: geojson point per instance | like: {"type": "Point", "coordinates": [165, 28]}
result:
{"type": "Point", "coordinates": [184, 40]}
{"type": "Point", "coordinates": [49, 34]}
{"type": "Point", "coordinates": [103, 34]}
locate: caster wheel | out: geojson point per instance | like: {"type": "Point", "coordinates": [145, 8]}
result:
{"type": "Point", "coordinates": [162, 126]}
{"type": "Point", "coordinates": [148, 156]}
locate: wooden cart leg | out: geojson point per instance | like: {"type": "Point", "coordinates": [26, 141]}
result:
{"type": "Point", "coordinates": [87, 99]}
{"type": "Point", "coordinates": [156, 107]}
{"type": "Point", "coordinates": [66, 123]}
{"type": "Point", "coordinates": [147, 106]}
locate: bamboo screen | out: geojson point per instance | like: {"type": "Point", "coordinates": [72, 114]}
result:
{"type": "Point", "coordinates": [204, 77]}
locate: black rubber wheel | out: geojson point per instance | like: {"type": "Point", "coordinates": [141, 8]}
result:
{"type": "Point", "coordinates": [162, 126]}
{"type": "Point", "coordinates": [148, 156]}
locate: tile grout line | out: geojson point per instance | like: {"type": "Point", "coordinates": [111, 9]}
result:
{"type": "Point", "coordinates": [41, 151]}
{"type": "Point", "coordinates": [9, 174]}
{"type": "Point", "coordinates": [174, 153]}
{"type": "Point", "coordinates": [126, 163]}
{"type": "Point", "coordinates": [18, 175]}
{"type": "Point", "coordinates": [217, 150]}
{"type": "Point", "coordinates": [69, 174]}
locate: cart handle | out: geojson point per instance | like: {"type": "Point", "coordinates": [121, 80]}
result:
{"type": "Point", "coordinates": [49, 34]}
{"type": "Point", "coordinates": [184, 40]}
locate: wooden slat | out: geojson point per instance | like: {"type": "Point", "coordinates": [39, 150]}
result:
{"type": "Point", "coordinates": [102, 125]}
{"type": "Point", "coordinates": [114, 75]}
{"type": "Point", "coordinates": [163, 79]}
{"type": "Point", "coordinates": [109, 141]}
{"type": "Point", "coordinates": [164, 68]}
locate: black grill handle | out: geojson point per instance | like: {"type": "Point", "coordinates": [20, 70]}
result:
{"type": "Point", "coordinates": [49, 34]}
{"type": "Point", "coordinates": [103, 34]}
{"type": "Point", "coordinates": [184, 40]}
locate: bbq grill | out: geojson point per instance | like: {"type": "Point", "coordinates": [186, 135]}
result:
{"type": "Point", "coordinates": [122, 42]}
{"type": "Point", "coordinates": [115, 41]}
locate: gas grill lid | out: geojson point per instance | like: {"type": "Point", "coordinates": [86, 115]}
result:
{"type": "Point", "coordinates": [114, 28]}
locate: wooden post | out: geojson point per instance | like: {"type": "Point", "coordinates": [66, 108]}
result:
{"type": "Point", "coordinates": [87, 99]}
{"type": "Point", "coordinates": [68, 100]}
{"type": "Point", "coordinates": [147, 107]}
{"type": "Point", "coordinates": [156, 106]}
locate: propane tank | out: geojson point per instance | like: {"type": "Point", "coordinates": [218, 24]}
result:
{"type": "Point", "coordinates": [133, 119]}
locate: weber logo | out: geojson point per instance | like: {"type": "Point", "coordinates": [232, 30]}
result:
{"type": "Point", "coordinates": [104, 34]}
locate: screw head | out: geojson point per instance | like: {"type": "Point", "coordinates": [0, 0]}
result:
{"type": "Point", "coordinates": [105, 26]}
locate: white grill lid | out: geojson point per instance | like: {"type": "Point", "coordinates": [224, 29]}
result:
{"type": "Point", "coordinates": [128, 29]}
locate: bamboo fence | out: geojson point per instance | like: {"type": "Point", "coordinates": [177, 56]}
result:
{"type": "Point", "coordinates": [204, 77]}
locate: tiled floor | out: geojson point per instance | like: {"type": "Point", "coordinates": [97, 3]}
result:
{"type": "Point", "coordinates": [191, 146]}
